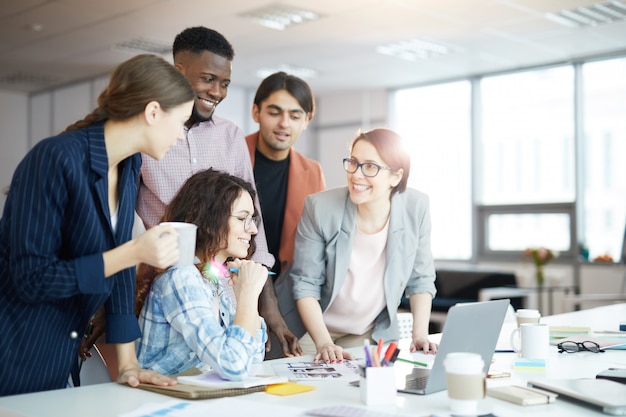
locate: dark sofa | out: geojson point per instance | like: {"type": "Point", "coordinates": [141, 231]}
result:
{"type": "Point", "coordinates": [462, 286]}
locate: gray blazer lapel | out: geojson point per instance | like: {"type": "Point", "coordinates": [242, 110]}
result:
{"type": "Point", "coordinates": [394, 278]}
{"type": "Point", "coordinates": [344, 246]}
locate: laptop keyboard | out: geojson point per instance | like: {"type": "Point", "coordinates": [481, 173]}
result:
{"type": "Point", "coordinates": [417, 379]}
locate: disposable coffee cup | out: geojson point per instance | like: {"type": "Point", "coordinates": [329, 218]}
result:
{"type": "Point", "coordinates": [465, 382]}
{"type": "Point", "coordinates": [535, 340]}
{"type": "Point", "coordinates": [186, 241]}
{"type": "Point", "coordinates": [526, 315]}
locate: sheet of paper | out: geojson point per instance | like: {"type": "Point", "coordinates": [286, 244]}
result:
{"type": "Point", "coordinates": [318, 371]}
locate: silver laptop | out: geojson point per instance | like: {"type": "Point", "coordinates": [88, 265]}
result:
{"type": "Point", "coordinates": [600, 394]}
{"type": "Point", "coordinates": [469, 327]}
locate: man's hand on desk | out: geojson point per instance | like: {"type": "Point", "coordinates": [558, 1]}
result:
{"type": "Point", "coordinates": [268, 309]}
{"type": "Point", "coordinates": [287, 340]}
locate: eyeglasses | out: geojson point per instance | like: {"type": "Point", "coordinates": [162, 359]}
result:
{"type": "Point", "coordinates": [369, 169]}
{"type": "Point", "coordinates": [572, 347]}
{"type": "Point", "coordinates": [247, 221]}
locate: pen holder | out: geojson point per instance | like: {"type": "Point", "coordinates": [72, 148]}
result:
{"type": "Point", "coordinates": [377, 385]}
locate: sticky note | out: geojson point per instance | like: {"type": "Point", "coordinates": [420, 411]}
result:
{"type": "Point", "coordinates": [531, 365]}
{"type": "Point", "coordinates": [288, 388]}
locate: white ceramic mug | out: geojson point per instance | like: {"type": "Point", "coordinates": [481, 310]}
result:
{"type": "Point", "coordinates": [535, 340]}
{"type": "Point", "coordinates": [465, 381]}
{"type": "Point", "coordinates": [186, 241]}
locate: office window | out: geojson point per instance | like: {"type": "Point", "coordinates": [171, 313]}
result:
{"type": "Point", "coordinates": [526, 150]}
{"type": "Point", "coordinates": [544, 149]}
{"type": "Point", "coordinates": [435, 121]}
{"type": "Point", "coordinates": [603, 206]}
{"type": "Point", "coordinates": [527, 137]}
{"type": "Point", "coordinates": [506, 231]}
{"type": "Point", "coordinates": [516, 232]}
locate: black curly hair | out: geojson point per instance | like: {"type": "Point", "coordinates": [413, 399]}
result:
{"type": "Point", "coordinates": [199, 39]}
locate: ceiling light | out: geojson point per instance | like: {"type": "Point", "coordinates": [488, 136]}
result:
{"type": "Point", "coordinates": [414, 49]}
{"type": "Point", "coordinates": [143, 46]}
{"type": "Point", "coordinates": [35, 27]}
{"type": "Point", "coordinates": [300, 72]}
{"type": "Point", "coordinates": [29, 78]}
{"type": "Point", "coordinates": [279, 16]}
{"type": "Point", "coordinates": [593, 15]}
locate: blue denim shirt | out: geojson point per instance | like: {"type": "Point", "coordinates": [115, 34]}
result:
{"type": "Point", "coordinates": [180, 328]}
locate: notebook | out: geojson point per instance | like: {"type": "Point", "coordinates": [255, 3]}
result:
{"type": "Point", "coordinates": [195, 392]}
{"type": "Point", "coordinates": [469, 327]}
{"type": "Point", "coordinates": [601, 394]}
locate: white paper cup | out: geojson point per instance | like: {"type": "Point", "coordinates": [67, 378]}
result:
{"type": "Point", "coordinates": [526, 315]}
{"type": "Point", "coordinates": [465, 381]}
{"type": "Point", "coordinates": [186, 241]}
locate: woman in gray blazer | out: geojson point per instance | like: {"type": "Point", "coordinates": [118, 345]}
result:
{"type": "Point", "coordinates": [358, 249]}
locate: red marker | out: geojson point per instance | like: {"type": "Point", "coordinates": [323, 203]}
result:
{"type": "Point", "coordinates": [391, 349]}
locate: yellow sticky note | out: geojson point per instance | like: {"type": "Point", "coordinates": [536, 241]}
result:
{"type": "Point", "coordinates": [288, 388]}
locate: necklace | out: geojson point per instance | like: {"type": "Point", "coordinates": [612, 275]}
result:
{"type": "Point", "coordinates": [212, 271]}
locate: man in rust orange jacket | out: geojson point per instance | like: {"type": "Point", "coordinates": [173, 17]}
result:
{"type": "Point", "coordinates": [283, 106]}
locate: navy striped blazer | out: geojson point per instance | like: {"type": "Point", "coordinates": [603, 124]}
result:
{"type": "Point", "coordinates": [54, 228]}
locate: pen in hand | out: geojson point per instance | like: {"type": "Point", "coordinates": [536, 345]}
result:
{"type": "Point", "coordinates": [236, 271]}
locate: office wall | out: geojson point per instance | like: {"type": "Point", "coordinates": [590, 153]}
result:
{"type": "Point", "coordinates": [13, 135]}
{"type": "Point", "coordinates": [339, 116]}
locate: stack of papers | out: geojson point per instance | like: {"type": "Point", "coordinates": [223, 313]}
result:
{"type": "Point", "coordinates": [567, 331]}
{"type": "Point", "coordinates": [212, 379]}
{"type": "Point", "coordinates": [603, 342]}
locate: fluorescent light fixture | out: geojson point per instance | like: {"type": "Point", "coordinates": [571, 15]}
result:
{"type": "Point", "coordinates": [29, 78]}
{"type": "Point", "coordinates": [414, 49]}
{"type": "Point", "coordinates": [143, 46]}
{"type": "Point", "coordinates": [280, 17]}
{"type": "Point", "coordinates": [593, 15]}
{"type": "Point", "coordinates": [300, 72]}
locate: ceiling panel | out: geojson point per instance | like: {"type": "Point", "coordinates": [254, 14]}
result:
{"type": "Point", "coordinates": [77, 38]}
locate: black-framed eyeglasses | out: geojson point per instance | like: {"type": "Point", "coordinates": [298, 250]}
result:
{"type": "Point", "coordinates": [572, 347]}
{"type": "Point", "coordinates": [369, 169]}
{"type": "Point", "coordinates": [247, 221]}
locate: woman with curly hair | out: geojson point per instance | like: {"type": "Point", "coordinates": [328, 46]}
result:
{"type": "Point", "coordinates": [186, 321]}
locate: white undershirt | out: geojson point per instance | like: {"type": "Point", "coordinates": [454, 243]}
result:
{"type": "Point", "coordinates": [114, 221]}
{"type": "Point", "coordinates": [362, 296]}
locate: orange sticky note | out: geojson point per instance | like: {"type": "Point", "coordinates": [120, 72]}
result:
{"type": "Point", "coordinates": [288, 388]}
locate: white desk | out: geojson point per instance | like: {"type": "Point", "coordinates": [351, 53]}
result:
{"type": "Point", "coordinates": [111, 399]}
